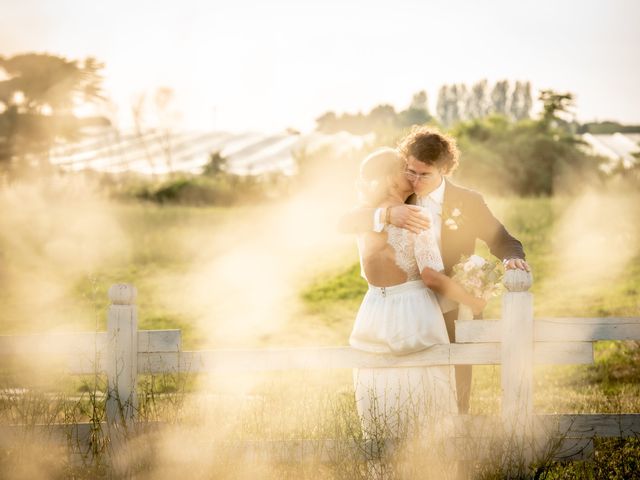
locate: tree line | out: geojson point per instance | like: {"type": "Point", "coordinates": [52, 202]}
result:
{"type": "Point", "coordinates": [456, 102]}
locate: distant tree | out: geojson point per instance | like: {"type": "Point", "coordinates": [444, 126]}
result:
{"type": "Point", "coordinates": [417, 113]}
{"type": "Point", "coordinates": [517, 98]}
{"type": "Point", "coordinates": [527, 101]}
{"type": "Point", "coordinates": [383, 120]}
{"type": "Point", "coordinates": [477, 105]}
{"type": "Point", "coordinates": [37, 100]}
{"type": "Point", "coordinates": [499, 97]}
{"type": "Point", "coordinates": [462, 96]}
{"type": "Point", "coordinates": [357, 123]}
{"type": "Point", "coordinates": [327, 122]}
{"type": "Point", "coordinates": [49, 84]}
{"type": "Point", "coordinates": [217, 164]}
{"type": "Point", "coordinates": [419, 101]}
{"type": "Point", "coordinates": [520, 105]}
{"type": "Point", "coordinates": [442, 108]}
{"type": "Point", "coordinates": [455, 96]}
{"type": "Point", "coordinates": [382, 116]}
{"type": "Point", "coordinates": [450, 101]}
{"type": "Point", "coordinates": [556, 108]}
{"type": "Point", "coordinates": [527, 157]}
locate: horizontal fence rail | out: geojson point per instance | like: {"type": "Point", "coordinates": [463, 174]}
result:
{"type": "Point", "coordinates": [569, 329]}
{"type": "Point", "coordinates": [347, 357]}
{"type": "Point", "coordinates": [85, 344]}
{"type": "Point", "coordinates": [159, 352]}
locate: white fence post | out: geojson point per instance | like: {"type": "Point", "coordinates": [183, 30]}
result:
{"type": "Point", "coordinates": [517, 364]}
{"type": "Point", "coordinates": [122, 354]}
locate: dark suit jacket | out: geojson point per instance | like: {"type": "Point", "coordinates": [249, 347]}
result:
{"type": "Point", "coordinates": [475, 221]}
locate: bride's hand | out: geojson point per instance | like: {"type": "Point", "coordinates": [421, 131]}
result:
{"type": "Point", "coordinates": [478, 305]}
{"type": "Point", "coordinates": [410, 217]}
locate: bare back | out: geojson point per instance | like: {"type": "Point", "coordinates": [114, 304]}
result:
{"type": "Point", "coordinates": [378, 261]}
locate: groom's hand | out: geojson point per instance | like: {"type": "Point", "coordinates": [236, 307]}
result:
{"type": "Point", "coordinates": [410, 217]}
{"type": "Point", "coordinates": [519, 263]}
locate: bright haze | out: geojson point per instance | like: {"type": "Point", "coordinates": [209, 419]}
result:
{"type": "Point", "coordinates": [269, 65]}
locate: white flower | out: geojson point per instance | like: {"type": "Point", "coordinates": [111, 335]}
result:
{"type": "Point", "coordinates": [476, 261]}
{"type": "Point", "coordinates": [456, 212]}
{"type": "Point", "coordinates": [453, 227]}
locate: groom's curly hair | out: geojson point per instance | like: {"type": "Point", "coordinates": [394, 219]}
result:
{"type": "Point", "coordinates": [428, 145]}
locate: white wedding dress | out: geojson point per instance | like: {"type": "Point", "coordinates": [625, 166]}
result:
{"type": "Point", "coordinates": [403, 319]}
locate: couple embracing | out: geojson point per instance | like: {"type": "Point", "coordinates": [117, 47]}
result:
{"type": "Point", "coordinates": [414, 225]}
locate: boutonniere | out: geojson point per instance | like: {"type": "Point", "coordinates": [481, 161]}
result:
{"type": "Point", "coordinates": [453, 219]}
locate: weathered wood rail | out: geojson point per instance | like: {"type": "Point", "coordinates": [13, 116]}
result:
{"type": "Point", "coordinates": [516, 342]}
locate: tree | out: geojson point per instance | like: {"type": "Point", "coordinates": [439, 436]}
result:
{"type": "Point", "coordinates": [382, 116]}
{"type": "Point", "coordinates": [499, 97]}
{"type": "Point", "coordinates": [37, 101]}
{"type": "Point", "coordinates": [527, 157]}
{"type": "Point", "coordinates": [527, 101]}
{"type": "Point", "coordinates": [326, 122]}
{"type": "Point", "coordinates": [417, 113]}
{"type": "Point", "coordinates": [515, 106]}
{"type": "Point", "coordinates": [442, 108]}
{"type": "Point", "coordinates": [555, 106]}
{"type": "Point", "coordinates": [520, 105]}
{"type": "Point", "coordinates": [450, 99]}
{"type": "Point", "coordinates": [454, 97]}
{"type": "Point", "coordinates": [419, 101]}
{"type": "Point", "coordinates": [50, 83]}
{"type": "Point", "coordinates": [477, 103]}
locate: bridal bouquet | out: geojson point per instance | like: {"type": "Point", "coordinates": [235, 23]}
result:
{"type": "Point", "coordinates": [479, 277]}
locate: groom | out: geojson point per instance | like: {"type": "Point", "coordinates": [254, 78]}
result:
{"type": "Point", "coordinates": [460, 216]}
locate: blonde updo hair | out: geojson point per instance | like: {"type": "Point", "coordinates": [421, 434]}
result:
{"type": "Point", "coordinates": [374, 170]}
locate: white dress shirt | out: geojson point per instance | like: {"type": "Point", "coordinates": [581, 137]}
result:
{"type": "Point", "coordinates": [433, 202]}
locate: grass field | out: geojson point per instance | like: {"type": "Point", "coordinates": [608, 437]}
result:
{"type": "Point", "coordinates": [218, 274]}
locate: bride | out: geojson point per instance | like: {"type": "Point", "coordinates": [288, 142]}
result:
{"type": "Point", "coordinates": [400, 313]}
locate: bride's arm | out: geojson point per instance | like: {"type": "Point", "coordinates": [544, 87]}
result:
{"type": "Point", "coordinates": [362, 219]}
{"type": "Point", "coordinates": [429, 261]}
{"type": "Point", "coordinates": [440, 283]}
{"type": "Point", "coordinates": [357, 220]}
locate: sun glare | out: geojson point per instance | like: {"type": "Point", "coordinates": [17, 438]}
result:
{"type": "Point", "coordinates": [217, 259]}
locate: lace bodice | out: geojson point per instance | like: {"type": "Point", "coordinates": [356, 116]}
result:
{"type": "Point", "coordinates": [414, 252]}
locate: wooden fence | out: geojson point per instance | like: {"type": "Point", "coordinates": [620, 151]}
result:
{"type": "Point", "coordinates": [517, 342]}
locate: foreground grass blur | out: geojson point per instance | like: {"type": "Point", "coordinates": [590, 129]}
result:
{"type": "Point", "coordinates": [276, 429]}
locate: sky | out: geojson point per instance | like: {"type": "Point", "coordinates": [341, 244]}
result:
{"type": "Point", "coordinates": [250, 65]}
